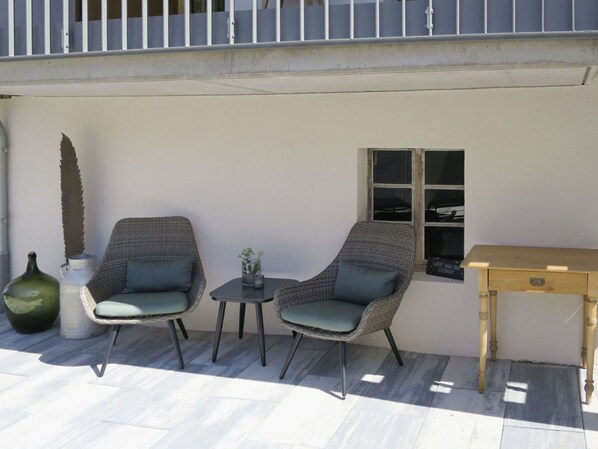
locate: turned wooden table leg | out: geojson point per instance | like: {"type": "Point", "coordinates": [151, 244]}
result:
{"type": "Point", "coordinates": [483, 289]}
{"type": "Point", "coordinates": [483, 339]}
{"type": "Point", "coordinates": [493, 339]}
{"type": "Point", "coordinates": [584, 350]}
{"type": "Point", "coordinates": [590, 325]}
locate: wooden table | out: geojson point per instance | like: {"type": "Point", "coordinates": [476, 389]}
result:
{"type": "Point", "coordinates": [538, 270]}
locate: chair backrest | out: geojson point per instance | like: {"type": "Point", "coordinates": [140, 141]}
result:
{"type": "Point", "coordinates": [382, 246]}
{"type": "Point", "coordinates": [148, 238]}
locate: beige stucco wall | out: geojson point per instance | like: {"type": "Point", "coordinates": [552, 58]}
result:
{"type": "Point", "coordinates": [283, 174]}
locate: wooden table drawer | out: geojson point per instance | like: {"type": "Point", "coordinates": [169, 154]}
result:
{"type": "Point", "coordinates": [538, 281]}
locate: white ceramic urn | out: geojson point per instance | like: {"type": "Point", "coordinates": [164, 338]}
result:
{"type": "Point", "coordinates": [74, 323]}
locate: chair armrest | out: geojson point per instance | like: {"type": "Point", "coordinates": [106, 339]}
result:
{"type": "Point", "coordinates": [319, 288]}
{"type": "Point", "coordinates": [378, 314]}
{"type": "Point", "coordinates": [198, 286]}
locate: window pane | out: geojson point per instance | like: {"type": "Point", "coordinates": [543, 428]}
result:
{"type": "Point", "coordinates": [445, 206]}
{"type": "Point", "coordinates": [443, 242]}
{"type": "Point", "coordinates": [392, 204]}
{"type": "Point", "coordinates": [445, 167]}
{"type": "Point", "coordinates": [392, 167]}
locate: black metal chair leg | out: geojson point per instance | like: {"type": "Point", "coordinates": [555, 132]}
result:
{"type": "Point", "coordinates": [292, 351]}
{"type": "Point", "coordinates": [391, 341]}
{"type": "Point", "coordinates": [241, 319]}
{"type": "Point", "coordinates": [182, 327]}
{"type": "Point", "coordinates": [219, 323]}
{"type": "Point", "coordinates": [343, 351]}
{"type": "Point", "coordinates": [117, 333]}
{"type": "Point", "coordinates": [111, 339]}
{"type": "Point", "coordinates": [175, 341]}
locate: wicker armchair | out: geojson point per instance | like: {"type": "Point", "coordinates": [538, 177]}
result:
{"type": "Point", "coordinates": [375, 245]}
{"type": "Point", "coordinates": [150, 239]}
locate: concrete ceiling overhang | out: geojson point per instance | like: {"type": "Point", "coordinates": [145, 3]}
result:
{"type": "Point", "coordinates": [380, 66]}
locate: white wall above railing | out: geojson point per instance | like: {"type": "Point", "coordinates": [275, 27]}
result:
{"type": "Point", "coordinates": [44, 27]}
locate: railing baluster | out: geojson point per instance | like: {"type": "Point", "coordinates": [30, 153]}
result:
{"type": "Point", "coordinates": [403, 18]}
{"type": "Point", "coordinates": [66, 36]}
{"type": "Point", "coordinates": [326, 19]}
{"type": "Point", "coordinates": [543, 15]}
{"type": "Point", "coordinates": [514, 16]}
{"type": "Point", "coordinates": [485, 16]}
{"type": "Point", "coordinates": [187, 23]}
{"type": "Point", "coordinates": [165, 40]}
{"type": "Point", "coordinates": [377, 18]}
{"type": "Point", "coordinates": [47, 46]}
{"type": "Point", "coordinates": [573, 15]}
{"type": "Point", "coordinates": [28, 28]}
{"type": "Point", "coordinates": [277, 20]}
{"type": "Point", "coordinates": [231, 29]}
{"type": "Point", "coordinates": [124, 15]}
{"type": "Point", "coordinates": [84, 25]}
{"type": "Point", "coordinates": [352, 19]}
{"type": "Point", "coordinates": [144, 23]}
{"type": "Point", "coordinates": [104, 25]}
{"type": "Point", "coordinates": [11, 27]}
{"type": "Point", "coordinates": [458, 16]}
{"type": "Point", "coordinates": [302, 20]}
{"type": "Point", "coordinates": [209, 22]}
{"type": "Point", "coordinates": [431, 15]}
{"type": "Point", "coordinates": [254, 22]}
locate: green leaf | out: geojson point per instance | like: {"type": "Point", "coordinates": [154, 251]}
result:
{"type": "Point", "coordinates": [72, 200]}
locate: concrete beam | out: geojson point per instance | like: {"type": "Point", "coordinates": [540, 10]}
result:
{"type": "Point", "coordinates": [247, 61]}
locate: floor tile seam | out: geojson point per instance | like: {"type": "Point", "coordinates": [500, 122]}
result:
{"type": "Point", "coordinates": [116, 422]}
{"type": "Point", "coordinates": [13, 374]}
{"type": "Point", "coordinates": [487, 390]}
{"type": "Point", "coordinates": [258, 424]}
{"type": "Point", "coordinates": [315, 365]}
{"type": "Point", "coordinates": [538, 427]}
{"type": "Point", "coordinates": [425, 416]}
{"type": "Point", "coordinates": [340, 424]}
{"type": "Point", "coordinates": [504, 413]}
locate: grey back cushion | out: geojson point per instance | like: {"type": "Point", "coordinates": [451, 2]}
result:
{"type": "Point", "coordinates": [362, 285]}
{"type": "Point", "coordinates": [159, 275]}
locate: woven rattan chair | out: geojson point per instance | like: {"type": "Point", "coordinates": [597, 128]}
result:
{"type": "Point", "coordinates": [145, 239]}
{"type": "Point", "coordinates": [375, 245]}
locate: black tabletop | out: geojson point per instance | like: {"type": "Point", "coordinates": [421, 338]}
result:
{"type": "Point", "coordinates": [234, 291]}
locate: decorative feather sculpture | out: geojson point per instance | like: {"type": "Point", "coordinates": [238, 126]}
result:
{"type": "Point", "coordinates": [72, 200]}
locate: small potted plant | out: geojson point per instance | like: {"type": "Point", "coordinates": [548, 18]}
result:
{"type": "Point", "coordinates": [250, 265]}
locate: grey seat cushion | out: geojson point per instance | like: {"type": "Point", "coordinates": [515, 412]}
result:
{"type": "Point", "coordinates": [128, 305]}
{"type": "Point", "coordinates": [335, 316]}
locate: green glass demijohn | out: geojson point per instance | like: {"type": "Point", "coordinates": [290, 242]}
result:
{"type": "Point", "coordinates": [32, 301]}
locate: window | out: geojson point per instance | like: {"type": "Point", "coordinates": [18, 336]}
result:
{"type": "Point", "coordinates": [425, 188]}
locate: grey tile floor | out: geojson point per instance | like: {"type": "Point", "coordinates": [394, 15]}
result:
{"type": "Point", "coordinates": [50, 397]}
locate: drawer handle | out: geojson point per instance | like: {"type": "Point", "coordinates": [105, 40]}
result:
{"type": "Point", "coordinates": [537, 282]}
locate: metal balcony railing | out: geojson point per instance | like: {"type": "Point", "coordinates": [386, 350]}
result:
{"type": "Point", "coordinates": [45, 27]}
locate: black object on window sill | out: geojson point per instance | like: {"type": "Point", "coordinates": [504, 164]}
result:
{"type": "Point", "coordinates": [446, 268]}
